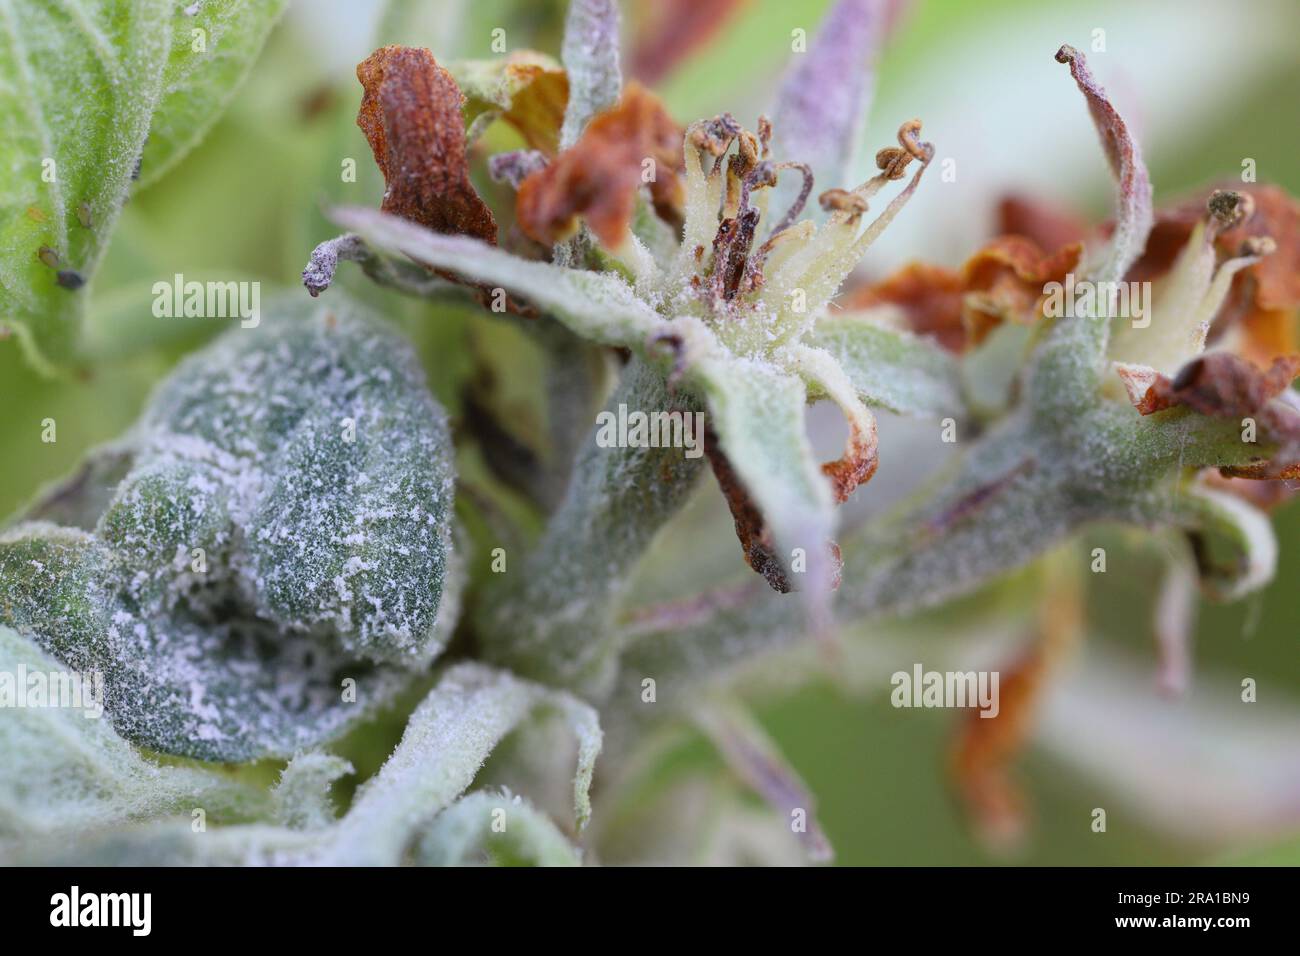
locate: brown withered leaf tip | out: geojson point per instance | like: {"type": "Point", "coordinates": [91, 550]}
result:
{"type": "Point", "coordinates": [1002, 282]}
{"type": "Point", "coordinates": [411, 114]}
{"type": "Point", "coordinates": [598, 177]}
{"type": "Point", "coordinates": [856, 466]}
{"type": "Point", "coordinates": [755, 537]}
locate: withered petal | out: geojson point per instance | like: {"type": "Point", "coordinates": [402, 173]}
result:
{"type": "Point", "coordinates": [598, 177]}
{"type": "Point", "coordinates": [411, 115]}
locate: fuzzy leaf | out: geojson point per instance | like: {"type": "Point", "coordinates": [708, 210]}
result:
{"type": "Point", "coordinates": [757, 412]}
{"type": "Point", "coordinates": [598, 307]}
{"type": "Point", "coordinates": [83, 83]}
{"type": "Point", "coordinates": [447, 740]}
{"type": "Point", "coordinates": [905, 373]}
{"type": "Point", "coordinates": [65, 770]}
{"type": "Point", "coordinates": [307, 461]}
{"type": "Point", "coordinates": [590, 55]}
{"type": "Point", "coordinates": [821, 107]}
{"type": "Point", "coordinates": [552, 616]}
{"type": "Point", "coordinates": [466, 833]}
{"type": "Point", "coordinates": [197, 85]}
{"type": "Point", "coordinates": [79, 82]}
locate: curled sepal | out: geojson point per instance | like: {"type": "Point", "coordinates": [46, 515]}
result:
{"type": "Point", "coordinates": [494, 829]}
{"type": "Point", "coordinates": [598, 307]}
{"type": "Point", "coordinates": [301, 797]}
{"type": "Point", "coordinates": [1133, 216]}
{"type": "Point", "coordinates": [1069, 364]}
{"type": "Point", "coordinates": [1233, 542]}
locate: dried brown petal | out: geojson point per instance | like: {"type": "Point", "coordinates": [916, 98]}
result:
{"type": "Point", "coordinates": [1001, 282]}
{"type": "Point", "coordinates": [597, 179]}
{"type": "Point", "coordinates": [929, 296]}
{"type": "Point", "coordinates": [986, 748]}
{"type": "Point", "coordinates": [755, 537]}
{"type": "Point", "coordinates": [411, 114]}
{"type": "Point", "coordinates": [1224, 385]}
{"type": "Point", "coordinates": [1004, 282]}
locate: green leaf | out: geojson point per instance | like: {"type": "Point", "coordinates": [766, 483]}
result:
{"type": "Point", "coordinates": [447, 740]}
{"type": "Point", "coordinates": [757, 412]}
{"type": "Point", "coordinates": [602, 308]}
{"type": "Point", "coordinates": [80, 84]}
{"type": "Point", "coordinates": [198, 84]}
{"type": "Point", "coordinates": [65, 770]}
{"type": "Point", "coordinates": [273, 565]}
{"type": "Point", "coordinates": [497, 829]}
{"type": "Point", "coordinates": [449, 736]}
{"type": "Point", "coordinates": [905, 373]}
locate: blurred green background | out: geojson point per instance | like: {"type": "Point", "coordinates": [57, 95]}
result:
{"type": "Point", "coordinates": [1210, 84]}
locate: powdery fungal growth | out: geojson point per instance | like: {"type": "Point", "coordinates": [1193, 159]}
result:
{"type": "Point", "coordinates": [284, 527]}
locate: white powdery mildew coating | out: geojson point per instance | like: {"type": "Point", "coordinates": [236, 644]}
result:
{"type": "Point", "coordinates": [336, 461]}
{"type": "Point", "coordinates": [284, 527]}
